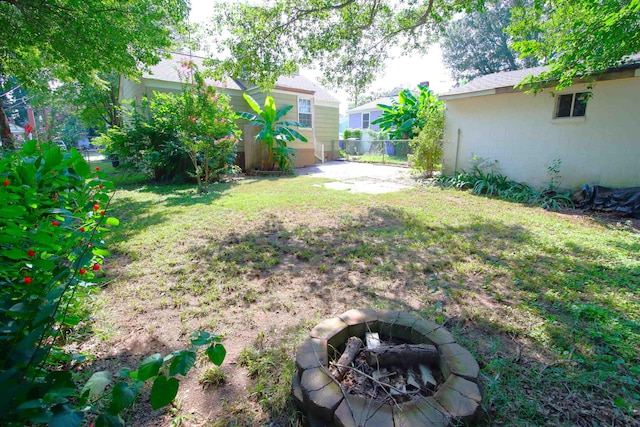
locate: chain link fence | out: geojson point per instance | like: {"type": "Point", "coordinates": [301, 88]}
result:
{"type": "Point", "coordinates": [393, 152]}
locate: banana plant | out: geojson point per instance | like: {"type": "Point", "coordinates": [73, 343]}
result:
{"type": "Point", "coordinates": [401, 118]}
{"type": "Point", "coordinates": [274, 133]}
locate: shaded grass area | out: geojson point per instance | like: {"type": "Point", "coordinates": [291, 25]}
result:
{"type": "Point", "coordinates": [548, 303]}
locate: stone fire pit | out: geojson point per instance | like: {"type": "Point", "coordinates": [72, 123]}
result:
{"type": "Point", "coordinates": [319, 396]}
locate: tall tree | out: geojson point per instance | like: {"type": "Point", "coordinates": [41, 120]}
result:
{"type": "Point", "coordinates": [97, 103]}
{"type": "Point", "coordinates": [76, 39]}
{"type": "Point", "coordinates": [349, 40]}
{"type": "Point", "coordinates": [578, 37]}
{"type": "Point", "coordinates": [477, 44]}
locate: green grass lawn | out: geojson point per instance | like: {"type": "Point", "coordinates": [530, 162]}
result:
{"type": "Point", "coordinates": [548, 303]}
{"type": "Point", "coordinates": [379, 158]}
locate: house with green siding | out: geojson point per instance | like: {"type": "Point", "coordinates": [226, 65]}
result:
{"type": "Point", "coordinates": [312, 106]}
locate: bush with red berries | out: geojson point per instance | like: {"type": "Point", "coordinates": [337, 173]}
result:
{"type": "Point", "coordinates": [53, 218]}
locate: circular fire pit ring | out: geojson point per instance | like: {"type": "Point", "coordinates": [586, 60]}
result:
{"type": "Point", "coordinates": [319, 396]}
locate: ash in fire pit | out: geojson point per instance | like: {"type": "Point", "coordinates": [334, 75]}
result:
{"type": "Point", "coordinates": [384, 368]}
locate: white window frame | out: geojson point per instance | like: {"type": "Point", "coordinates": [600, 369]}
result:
{"type": "Point", "coordinates": [574, 95]}
{"type": "Point", "coordinates": [368, 121]}
{"type": "Point", "coordinates": [310, 113]}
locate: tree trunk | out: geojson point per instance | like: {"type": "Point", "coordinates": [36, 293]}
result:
{"type": "Point", "coordinates": [5, 130]}
{"type": "Point", "coordinates": [403, 355]}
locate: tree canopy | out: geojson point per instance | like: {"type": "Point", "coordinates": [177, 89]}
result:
{"type": "Point", "coordinates": [349, 40]}
{"type": "Point", "coordinates": [477, 44]}
{"type": "Point", "coordinates": [76, 39]}
{"type": "Point", "coordinates": [577, 37]}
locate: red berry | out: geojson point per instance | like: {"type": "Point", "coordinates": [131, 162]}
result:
{"type": "Point", "coordinates": [27, 280]}
{"type": "Point", "coordinates": [35, 225]}
{"type": "Point", "coordinates": [31, 253]}
{"type": "Point", "coordinates": [101, 186]}
{"type": "Point", "coordinates": [82, 271]}
{"type": "Point", "coordinates": [6, 182]}
{"type": "Point", "coordinates": [55, 223]}
{"type": "Point", "coordinates": [90, 245]}
{"type": "Point", "coordinates": [95, 267]}
{"type": "Point", "coordinates": [102, 212]}
{"type": "Point", "coordinates": [97, 169]}
{"type": "Point", "coordinates": [52, 172]}
{"type": "Point", "coordinates": [82, 229]}
{"type": "Point", "coordinates": [96, 207]}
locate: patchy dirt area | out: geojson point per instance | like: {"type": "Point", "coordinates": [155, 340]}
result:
{"type": "Point", "coordinates": [261, 267]}
{"type": "Point", "coordinates": [361, 177]}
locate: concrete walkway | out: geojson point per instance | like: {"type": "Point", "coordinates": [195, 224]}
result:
{"type": "Point", "coordinates": [361, 177]}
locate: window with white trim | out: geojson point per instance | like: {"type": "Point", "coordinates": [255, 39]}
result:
{"type": "Point", "coordinates": [365, 120]}
{"type": "Point", "coordinates": [304, 112]}
{"type": "Point", "coordinates": [571, 105]}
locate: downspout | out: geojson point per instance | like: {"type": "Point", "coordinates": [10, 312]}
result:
{"type": "Point", "coordinates": [455, 164]}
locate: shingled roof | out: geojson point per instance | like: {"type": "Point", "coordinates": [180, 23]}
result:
{"type": "Point", "coordinates": [489, 84]}
{"type": "Point", "coordinates": [486, 85]}
{"type": "Point", "coordinates": [167, 70]}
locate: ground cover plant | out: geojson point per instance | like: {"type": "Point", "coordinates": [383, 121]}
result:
{"type": "Point", "coordinates": [547, 302]}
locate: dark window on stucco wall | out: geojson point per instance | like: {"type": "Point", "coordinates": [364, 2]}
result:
{"type": "Point", "coordinates": [572, 105]}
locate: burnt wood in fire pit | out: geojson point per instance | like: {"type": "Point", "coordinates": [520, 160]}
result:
{"type": "Point", "coordinates": [403, 354]}
{"type": "Point", "coordinates": [319, 395]}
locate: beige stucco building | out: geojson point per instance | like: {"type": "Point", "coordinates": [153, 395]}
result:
{"type": "Point", "coordinates": [593, 128]}
{"type": "Point", "coordinates": [312, 105]}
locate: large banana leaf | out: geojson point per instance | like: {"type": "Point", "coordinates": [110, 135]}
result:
{"type": "Point", "coordinates": [253, 104]}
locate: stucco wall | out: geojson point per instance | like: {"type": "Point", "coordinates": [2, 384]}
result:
{"type": "Point", "coordinates": [518, 130]}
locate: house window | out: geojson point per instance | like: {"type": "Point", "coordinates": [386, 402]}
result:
{"type": "Point", "coordinates": [572, 105]}
{"type": "Point", "coordinates": [365, 120]}
{"type": "Point", "coordinates": [304, 112]}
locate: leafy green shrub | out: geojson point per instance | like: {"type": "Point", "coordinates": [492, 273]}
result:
{"type": "Point", "coordinates": [356, 133]}
{"type": "Point", "coordinates": [53, 209]}
{"type": "Point", "coordinates": [178, 136]}
{"type": "Point", "coordinates": [147, 144]}
{"type": "Point", "coordinates": [493, 184]}
{"type": "Point", "coordinates": [347, 133]}
{"type": "Point", "coordinates": [427, 146]}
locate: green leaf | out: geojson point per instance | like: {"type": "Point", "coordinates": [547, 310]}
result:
{"type": "Point", "coordinates": [252, 103]}
{"type": "Point", "coordinates": [122, 396]}
{"type": "Point", "coordinates": [113, 221]}
{"type": "Point", "coordinates": [216, 353]}
{"type": "Point", "coordinates": [150, 367]}
{"type": "Point", "coordinates": [163, 391]}
{"type": "Point", "coordinates": [182, 363]}
{"type": "Point", "coordinates": [199, 338]}
{"type": "Point", "coordinates": [108, 420]}
{"type": "Point", "coordinates": [96, 384]}
{"type": "Point", "coordinates": [269, 109]}
{"type": "Point", "coordinates": [82, 168]}
{"type": "Point", "coordinates": [31, 404]}
{"type": "Point", "coordinates": [100, 252]}
{"type": "Point", "coordinates": [63, 416]}
{"type": "Point", "coordinates": [282, 112]}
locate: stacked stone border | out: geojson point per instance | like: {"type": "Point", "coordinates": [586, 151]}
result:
{"type": "Point", "coordinates": [322, 400]}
